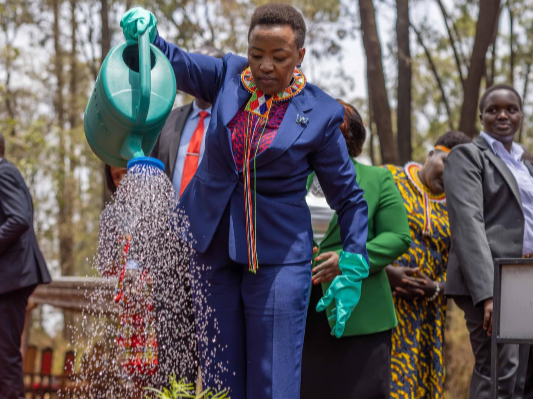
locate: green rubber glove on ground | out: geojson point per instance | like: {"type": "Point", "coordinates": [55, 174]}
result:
{"type": "Point", "coordinates": [345, 290]}
{"type": "Point", "coordinates": [138, 20]}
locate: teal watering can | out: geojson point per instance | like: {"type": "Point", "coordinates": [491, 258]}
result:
{"type": "Point", "coordinates": [132, 99]}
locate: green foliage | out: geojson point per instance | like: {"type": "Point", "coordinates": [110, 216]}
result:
{"type": "Point", "coordinates": [181, 390]}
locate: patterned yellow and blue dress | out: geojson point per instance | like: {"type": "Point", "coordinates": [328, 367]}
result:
{"type": "Point", "coordinates": [418, 340]}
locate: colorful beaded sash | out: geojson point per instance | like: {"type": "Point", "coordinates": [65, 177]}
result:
{"type": "Point", "coordinates": [258, 109]}
{"type": "Point", "coordinates": [411, 171]}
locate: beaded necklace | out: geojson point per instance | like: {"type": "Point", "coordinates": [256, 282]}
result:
{"type": "Point", "coordinates": [258, 109]}
{"type": "Point", "coordinates": [411, 170]}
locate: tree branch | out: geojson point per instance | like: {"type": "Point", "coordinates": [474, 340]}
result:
{"type": "Point", "coordinates": [510, 8]}
{"type": "Point", "coordinates": [456, 55]}
{"type": "Point", "coordinates": [459, 39]}
{"type": "Point", "coordinates": [435, 74]}
{"type": "Point", "coordinates": [209, 23]}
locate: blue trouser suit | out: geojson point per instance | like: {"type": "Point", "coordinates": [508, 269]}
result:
{"type": "Point", "coordinates": [253, 325]}
{"type": "Point", "coordinates": [252, 339]}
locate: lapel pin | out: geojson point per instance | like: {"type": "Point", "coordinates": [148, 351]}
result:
{"type": "Point", "coordinates": [302, 120]}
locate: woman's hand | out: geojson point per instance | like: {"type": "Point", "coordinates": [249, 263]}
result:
{"type": "Point", "coordinates": [328, 269]}
{"type": "Point", "coordinates": [137, 21]}
{"type": "Point", "coordinates": [487, 315]}
{"type": "Point", "coordinates": [431, 285]}
{"type": "Point", "coordinates": [403, 282]}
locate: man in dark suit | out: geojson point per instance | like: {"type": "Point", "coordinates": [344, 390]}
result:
{"type": "Point", "coordinates": [22, 267]}
{"type": "Point", "coordinates": [180, 147]}
{"type": "Point", "coordinates": [489, 192]}
{"type": "Point", "coordinates": [181, 143]}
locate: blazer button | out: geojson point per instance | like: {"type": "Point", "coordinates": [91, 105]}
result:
{"type": "Point", "coordinates": [233, 177]}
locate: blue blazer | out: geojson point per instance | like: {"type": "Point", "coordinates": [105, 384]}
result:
{"type": "Point", "coordinates": [283, 231]}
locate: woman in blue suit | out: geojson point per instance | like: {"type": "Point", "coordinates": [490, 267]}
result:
{"type": "Point", "coordinates": [246, 203]}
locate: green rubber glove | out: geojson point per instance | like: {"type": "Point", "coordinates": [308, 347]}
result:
{"type": "Point", "coordinates": [345, 290]}
{"type": "Point", "coordinates": [138, 20]}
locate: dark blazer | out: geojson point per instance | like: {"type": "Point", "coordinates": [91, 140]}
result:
{"type": "Point", "coordinates": [284, 233]}
{"type": "Point", "coordinates": [168, 143]}
{"type": "Point", "coordinates": [21, 261]}
{"type": "Point", "coordinates": [486, 218]}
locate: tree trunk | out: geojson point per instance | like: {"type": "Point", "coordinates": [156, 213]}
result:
{"type": "Point", "coordinates": [106, 46]}
{"type": "Point", "coordinates": [524, 94]}
{"type": "Point", "coordinates": [58, 67]}
{"type": "Point", "coordinates": [489, 11]}
{"type": "Point", "coordinates": [73, 90]}
{"type": "Point", "coordinates": [106, 32]}
{"type": "Point", "coordinates": [404, 82]}
{"type": "Point", "coordinates": [64, 190]}
{"type": "Point", "coordinates": [376, 85]}
{"type": "Point", "coordinates": [66, 242]}
{"type": "Point", "coordinates": [510, 7]}
{"type": "Point", "coordinates": [371, 127]}
{"type": "Point", "coordinates": [491, 72]}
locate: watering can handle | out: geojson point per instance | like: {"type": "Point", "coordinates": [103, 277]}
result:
{"type": "Point", "coordinates": [145, 69]}
{"type": "Point", "coordinates": [132, 145]}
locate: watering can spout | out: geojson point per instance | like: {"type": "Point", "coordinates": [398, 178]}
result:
{"type": "Point", "coordinates": [132, 146]}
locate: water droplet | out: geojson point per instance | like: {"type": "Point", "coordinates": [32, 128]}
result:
{"type": "Point", "coordinates": [152, 306]}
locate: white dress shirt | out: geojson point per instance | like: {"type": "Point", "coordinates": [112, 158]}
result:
{"type": "Point", "coordinates": [525, 184]}
{"type": "Point", "coordinates": [186, 135]}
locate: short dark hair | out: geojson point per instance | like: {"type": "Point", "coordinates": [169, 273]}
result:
{"type": "Point", "coordinates": [453, 138]}
{"type": "Point", "coordinates": [2, 145]}
{"type": "Point", "coordinates": [280, 14]}
{"type": "Point", "coordinates": [353, 129]}
{"type": "Point", "coordinates": [210, 51]}
{"type": "Point", "coordinates": [494, 88]}
{"type": "Point", "coordinates": [110, 184]}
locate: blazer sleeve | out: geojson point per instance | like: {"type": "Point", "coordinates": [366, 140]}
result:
{"type": "Point", "coordinates": [336, 174]}
{"type": "Point", "coordinates": [391, 227]}
{"type": "Point", "coordinates": [463, 180]}
{"type": "Point", "coordinates": [196, 74]}
{"type": "Point", "coordinates": [14, 207]}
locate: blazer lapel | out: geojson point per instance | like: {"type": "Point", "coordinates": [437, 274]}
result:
{"type": "Point", "coordinates": [288, 131]}
{"type": "Point", "coordinates": [500, 165]}
{"type": "Point", "coordinates": [228, 109]}
{"type": "Point", "coordinates": [175, 143]}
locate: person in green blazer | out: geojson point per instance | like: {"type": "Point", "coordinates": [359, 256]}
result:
{"type": "Point", "coordinates": [358, 364]}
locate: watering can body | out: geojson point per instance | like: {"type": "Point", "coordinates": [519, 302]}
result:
{"type": "Point", "coordinates": [132, 99]}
